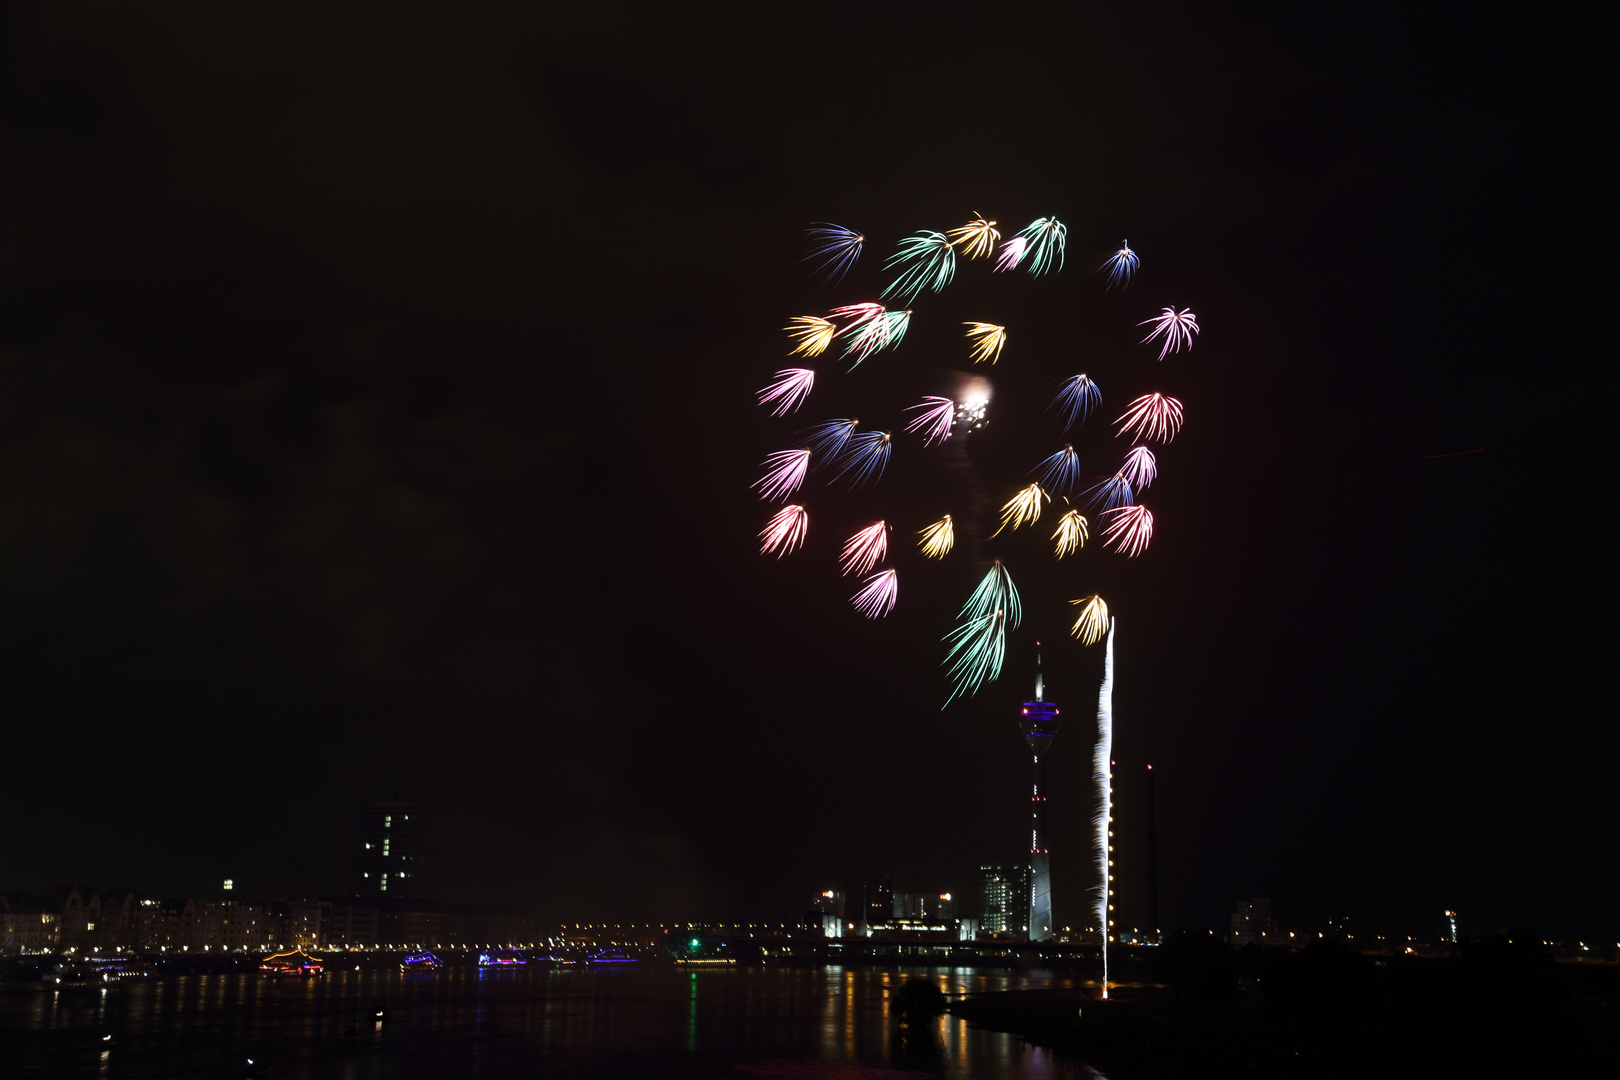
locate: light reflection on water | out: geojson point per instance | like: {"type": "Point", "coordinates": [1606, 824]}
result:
{"type": "Point", "coordinates": [778, 1022]}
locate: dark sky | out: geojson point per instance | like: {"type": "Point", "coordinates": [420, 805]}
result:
{"type": "Point", "coordinates": [376, 420]}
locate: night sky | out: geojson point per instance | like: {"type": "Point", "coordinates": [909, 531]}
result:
{"type": "Point", "coordinates": [376, 420]}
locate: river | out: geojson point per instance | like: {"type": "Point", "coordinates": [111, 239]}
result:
{"type": "Point", "coordinates": [648, 1020]}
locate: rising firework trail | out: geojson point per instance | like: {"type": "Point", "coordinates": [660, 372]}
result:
{"type": "Point", "coordinates": [1102, 821]}
{"type": "Point", "coordinates": [836, 247]}
{"type": "Point", "coordinates": [788, 392]}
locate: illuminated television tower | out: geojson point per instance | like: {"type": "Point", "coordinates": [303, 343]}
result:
{"type": "Point", "coordinates": [1039, 725]}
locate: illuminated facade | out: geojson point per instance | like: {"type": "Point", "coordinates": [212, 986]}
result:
{"type": "Point", "coordinates": [1038, 722]}
{"type": "Point", "coordinates": [1004, 899]}
{"type": "Point", "coordinates": [389, 862]}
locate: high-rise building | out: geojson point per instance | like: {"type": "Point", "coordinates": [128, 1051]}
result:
{"type": "Point", "coordinates": [1004, 899]}
{"type": "Point", "coordinates": [1039, 725]}
{"type": "Point", "coordinates": [389, 861]}
{"type": "Point", "coordinates": [868, 902]}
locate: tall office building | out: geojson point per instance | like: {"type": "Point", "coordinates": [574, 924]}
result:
{"type": "Point", "coordinates": [1039, 725]}
{"type": "Point", "coordinates": [389, 861]}
{"type": "Point", "coordinates": [1004, 899]}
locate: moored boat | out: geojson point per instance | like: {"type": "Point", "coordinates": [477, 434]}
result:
{"type": "Point", "coordinates": [296, 963]}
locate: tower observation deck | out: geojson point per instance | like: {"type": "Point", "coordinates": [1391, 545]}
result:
{"type": "Point", "coordinates": [1039, 725]}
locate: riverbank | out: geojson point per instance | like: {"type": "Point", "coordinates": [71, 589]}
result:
{"type": "Point", "coordinates": [1431, 1019]}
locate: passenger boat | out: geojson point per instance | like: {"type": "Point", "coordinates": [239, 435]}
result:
{"type": "Point", "coordinates": [422, 961]}
{"type": "Point", "coordinates": [612, 956]}
{"type": "Point", "coordinates": [296, 963]}
{"type": "Point", "coordinates": [501, 958]}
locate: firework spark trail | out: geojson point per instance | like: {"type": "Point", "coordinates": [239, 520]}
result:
{"type": "Point", "coordinates": [1102, 775]}
{"type": "Point", "coordinates": [995, 592]}
{"type": "Point", "coordinates": [827, 439]}
{"type": "Point", "coordinates": [791, 387]}
{"type": "Point", "coordinates": [977, 648]}
{"type": "Point", "coordinates": [1151, 416]}
{"type": "Point", "coordinates": [1012, 253]}
{"type": "Point", "coordinates": [1046, 237]}
{"type": "Point", "coordinates": [1121, 266]}
{"type": "Point", "coordinates": [926, 261]}
{"type": "Point", "coordinates": [1060, 471]}
{"type": "Point", "coordinates": [876, 597]}
{"type": "Point", "coordinates": [1076, 398]}
{"type": "Point", "coordinates": [935, 421]}
{"type": "Point", "coordinates": [987, 339]}
{"type": "Point", "coordinates": [864, 458]}
{"type": "Point", "coordinates": [1140, 468]}
{"type": "Point", "coordinates": [865, 549]}
{"type": "Point", "coordinates": [812, 333]}
{"type": "Point", "coordinates": [784, 472]}
{"type": "Point", "coordinates": [1024, 508]}
{"type": "Point", "coordinates": [1111, 493]}
{"type": "Point", "coordinates": [978, 237]}
{"type": "Point", "coordinates": [785, 531]}
{"type": "Point", "coordinates": [856, 314]}
{"type": "Point", "coordinates": [1129, 531]}
{"type": "Point", "coordinates": [1071, 534]}
{"type": "Point", "coordinates": [837, 246]}
{"type": "Point", "coordinates": [1093, 621]}
{"type": "Point", "coordinates": [882, 331]}
{"type": "Point", "coordinates": [938, 538]}
{"type": "Point", "coordinates": [1177, 329]}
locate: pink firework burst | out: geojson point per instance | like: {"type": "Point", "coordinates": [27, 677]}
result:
{"type": "Point", "coordinates": [1012, 253]}
{"type": "Point", "coordinates": [865, 549]}
{"type": "Point", "coordinates": [788, 392]}
{"type": "Point", "coordinates": [1129, 529]}
{"type": "Point", "coordinates": [858, 314]}
{"type": "Point", "coordinates": [1177, 329]}
{"type": "Point", "coordinates": [1151, 416]}
{"type": "Point", "coordinates": [785, 531]}
{"type": "Point", "coordinates": [876, 598]}
{"type": "Point", "coordinates": [784, 472]}
{"type": "Point", "coordinates": [934, 422]}
{"type": "Point", "coordinates": [1140, 468]}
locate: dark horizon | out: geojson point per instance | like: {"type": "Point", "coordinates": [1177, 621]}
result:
{"type": "Point", "coordinates": [377, 421]}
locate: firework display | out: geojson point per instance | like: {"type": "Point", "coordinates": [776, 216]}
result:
{"type": "Point", "coordinates": [849, 457]}
{"type": "Point", "coordinates": [943, 446]}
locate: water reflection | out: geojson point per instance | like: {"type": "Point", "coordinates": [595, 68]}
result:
{"type": "Point", "coordinates": [569, 1023]}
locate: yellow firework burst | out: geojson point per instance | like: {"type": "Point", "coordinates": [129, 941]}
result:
{"type": "Point", "coordinates": [977, 237]}
{"type": "Point", "coordinates": [938, 538]}
{"type": "Point", "coordinates": [812, 333]}
{"type": "Point", "coordinates": [1093, 621]}
{"type": "Point", "coordinates": [1023, 508]}
{"type": "Point", "coordinates": [987, 338]}
{"type": "Point", "coordinates": [1071, 534]}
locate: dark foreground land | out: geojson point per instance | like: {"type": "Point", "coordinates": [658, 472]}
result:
{"type": "Point", "coordinates": [1494, 1009]}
